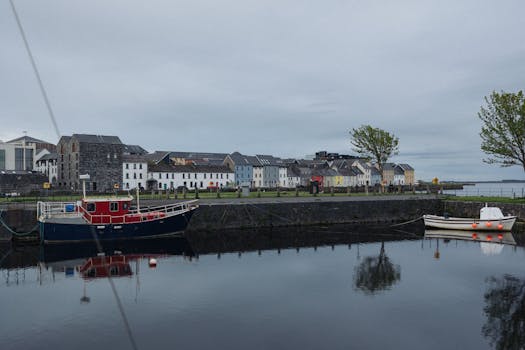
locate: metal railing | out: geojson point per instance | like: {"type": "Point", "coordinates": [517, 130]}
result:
{"type": "Point", "coordinates": [46, 210]}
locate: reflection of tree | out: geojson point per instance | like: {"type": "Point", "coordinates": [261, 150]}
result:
{"type": "Point", "coordinates": [505, 311]}
{"type": "Point", "coordinates": [374, 274]}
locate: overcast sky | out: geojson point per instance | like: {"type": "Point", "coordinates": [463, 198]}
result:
{"type": "Point", "coordinates": [286, 78]}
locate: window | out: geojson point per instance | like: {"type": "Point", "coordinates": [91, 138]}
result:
{"type": "Point", "coordinates": [167, 176]}
{"type": "Point", "coordinates": [204, 175]}
{"type": "Point", "coordinates": [160, 185]}
{"type": "Point", "coordinates": [195, 176]}
{"type": "Point", "coordinates": [91, 207]}
{"type": "Point", "coordinates": [160, 176]}
{"type": "Point", "coordinates": [221, 176]}
{"type": "Point", "coordinates": [216, 176]}
{"type": "Point", "coordinates": [227, 176]}
{"type": "Point", "coordinates": [201, 184]}
{"type": "Point", "coordinates": [125, 206]}
{"type": "Point", "coordinates": [134, 175]}
{"type": "Point", "coordinates": [135, 166]}
{"type": "Point", "coordinates": [191, 184]}
{"type": "Point", "coordinates": [140, 176]}
{"type": "Point", "coordinates": [113, 206]}
{"type": "Point", "coordinates": [183, 176]}
{"type": "Point", "coordinates": [140, 166]}
{"type": "Point", "coordinates": [127, 176]}
{"type": "Point", "coordinates": [127, 166]}
{"type": "Point", "coordinates": [127, 185]}
{"type": "Point", "coordinates": [19, 159]}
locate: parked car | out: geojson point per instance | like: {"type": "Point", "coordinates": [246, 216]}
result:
{"type": "Point", "coordinates": [11, 194]}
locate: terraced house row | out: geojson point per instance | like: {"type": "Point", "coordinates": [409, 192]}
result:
{"type": "Point", "coordinates": [112, 165]}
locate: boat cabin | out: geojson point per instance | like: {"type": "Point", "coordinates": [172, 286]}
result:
{"type": "Point", "coordinates": [106, 210]}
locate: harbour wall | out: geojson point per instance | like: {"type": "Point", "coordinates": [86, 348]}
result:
{"type": "Point", "coordinates": [360, 211]}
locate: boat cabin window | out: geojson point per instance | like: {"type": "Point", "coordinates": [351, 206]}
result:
{"type": "Point", "coordinates": [113, 206]}
{"type": "Point", "coordinates": [90, 207]}
{"type": "Point", "coordinates": [125, 206]}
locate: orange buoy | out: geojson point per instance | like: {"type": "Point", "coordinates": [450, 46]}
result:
{"type": "Point", "coordinates": [489, 238]}
{"type": "Point", "coordinates": [500, 227]}
{"type": "Point", "coordinates": [474, 225]}
{"type": "Point", "coordinates": [474, 236]}
{"type": "Point", "coordinates": [488, 224]}
{"type": "Point", "coordinates": [152, 262]}
{"type": "Point", "coordinates": [500, 236]}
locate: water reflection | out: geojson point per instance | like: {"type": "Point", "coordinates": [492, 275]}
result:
{"type": "Point", "coordinates": [505, 312]}
{"type": "Point", "coordinates": [376, 273]}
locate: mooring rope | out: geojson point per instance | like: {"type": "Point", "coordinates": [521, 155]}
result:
{"type": "Point", "coordinates": [34, 229]}
{"type": "Point", "coordinates": [407, 222]}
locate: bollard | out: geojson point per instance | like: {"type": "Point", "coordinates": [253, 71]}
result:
{"type": "Point", "coordinates": [218, 192]}
{"type": "Point", "coordinates": [258, 193]}
{"type": "Point", "coordinates": [176, 194]}
{"type": "Point", "coordinates": [238, 192]}
{"type": "Point", "coordinates": [297, 191]}
{"type": "Point", "coordinates": [196, 192]}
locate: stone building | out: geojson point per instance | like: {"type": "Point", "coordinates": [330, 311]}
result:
{"type": "Point", "coordinates": [97, 155]}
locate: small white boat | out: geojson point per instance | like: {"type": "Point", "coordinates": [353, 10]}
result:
{"type": "Point", "coordinates": [490, 219]}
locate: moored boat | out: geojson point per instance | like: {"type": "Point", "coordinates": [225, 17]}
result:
{"type": "Point", "coordinates": [110, 218]}
{"type": "Point", "coordinates": [491, 219]}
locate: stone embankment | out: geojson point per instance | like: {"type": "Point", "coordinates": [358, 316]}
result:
{"type": "Point", "coordinates": [244, 213]}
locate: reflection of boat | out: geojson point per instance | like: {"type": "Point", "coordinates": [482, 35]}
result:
{"type": "Point", "coordinates": [491, 219]}
{"type": "Point", "coordinates": [483, 237]}
{"type": "Point", "coordinates": [105, 266]}
{"type": "Point", "coordinates": [110, 219]}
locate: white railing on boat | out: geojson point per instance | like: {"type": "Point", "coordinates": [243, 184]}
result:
{"type": "Point", "coordinates": [47, 210]}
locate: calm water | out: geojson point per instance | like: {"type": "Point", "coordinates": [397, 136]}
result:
{"type": "Point", "coordinates": [325, 290]}
{"type": "Point", "coordinates": [492, 189]}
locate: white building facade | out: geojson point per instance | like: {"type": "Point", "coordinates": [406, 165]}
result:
{"type": "Point", "coordinates": [134, 172]}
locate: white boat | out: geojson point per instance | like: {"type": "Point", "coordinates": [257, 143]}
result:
{"type": "Point", "coordinates": [490, 219]}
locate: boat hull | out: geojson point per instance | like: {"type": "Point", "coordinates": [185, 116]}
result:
{"type": "Point", "coordinates": [466, 224]}
{"type": "Point", "coordinates": [51, 232]}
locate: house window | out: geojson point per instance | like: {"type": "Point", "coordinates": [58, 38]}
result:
{"type": "Point", "coordinates": [140, 176]}
{"type": "Point", "coordinates": [127, 184]}
{"type": "Point", "coordinates": [221, 176]}
{"type": "Point", "coordinates": [160, 185]}
{"type": "Point", "coordinates": [201, 184]}
{"type": "Point", "coordinates": [183, 176]}
{"type": "Point", "coordinates": [127, 176]}
{"type": "Point", "coordinates": [113, 206]}
{"type": "Point", "coordinates": [226, 176]}
{"type": "Point", "coordinates": [140, 166]}
{"type": "Point", "coordinates": [204, 175]}
{"type": "Point", "coordinates": [216, 176]}
{"type": "Point", "coordinates": [134, 166]}
{"type": "Point", "coordinates": [172, 175]}
{"type": "Point", "coordinates": [191, 184]}
{"type": "Point", "coordinates": [184, 183]}
{"type": "Point", "coordinates": [127, 166]}
{"type": "Point", "coordinates": [160, 176]}
{"type": "Point", "coordinates": [134, 175]}
{"type": "Point", "coordinates": [167, 176]}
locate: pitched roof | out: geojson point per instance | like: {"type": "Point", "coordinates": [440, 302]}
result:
{"type": "Point", "coordinates": [49, 156]}
{"type": "Point", "coordinates": [167, 168]}
{"type": "Point", "coordinates": [398, 170]}
{"type": "Point", "coordinates": [134, 149]}
{"type": "Point", "coordinates": [87, 138]}
{"type": "Point", "coordinates": [134, 158]}
{"type": "Point", "coordinates": [27, 139]}
{"type": "Point", "coordinates": [405, 167]}
{"type": "Point", "coordinates": [267, 160]}
{"type": "Point", "coordinates": [156, 156]}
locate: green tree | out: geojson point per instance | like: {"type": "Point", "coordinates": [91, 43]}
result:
{"type": "Point", "coordinates": [503, 130]}
{"type": "Point", "coordinates": [374, 144]}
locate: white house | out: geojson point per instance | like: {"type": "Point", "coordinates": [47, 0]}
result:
{"type": "Point", "coordinates": [134, 172]}
{"type": "Point", "coordinates": [46, 163]}
{"type": "Point", "coordinates": [258, 175]}
{"type": "Point", "coordinates": [163, 176]}
{"type": "Point", "coordinates": [399, 175]}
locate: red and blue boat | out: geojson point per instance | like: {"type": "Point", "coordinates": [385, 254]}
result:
{"type": "Point", "coordinates": [110, 218]}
